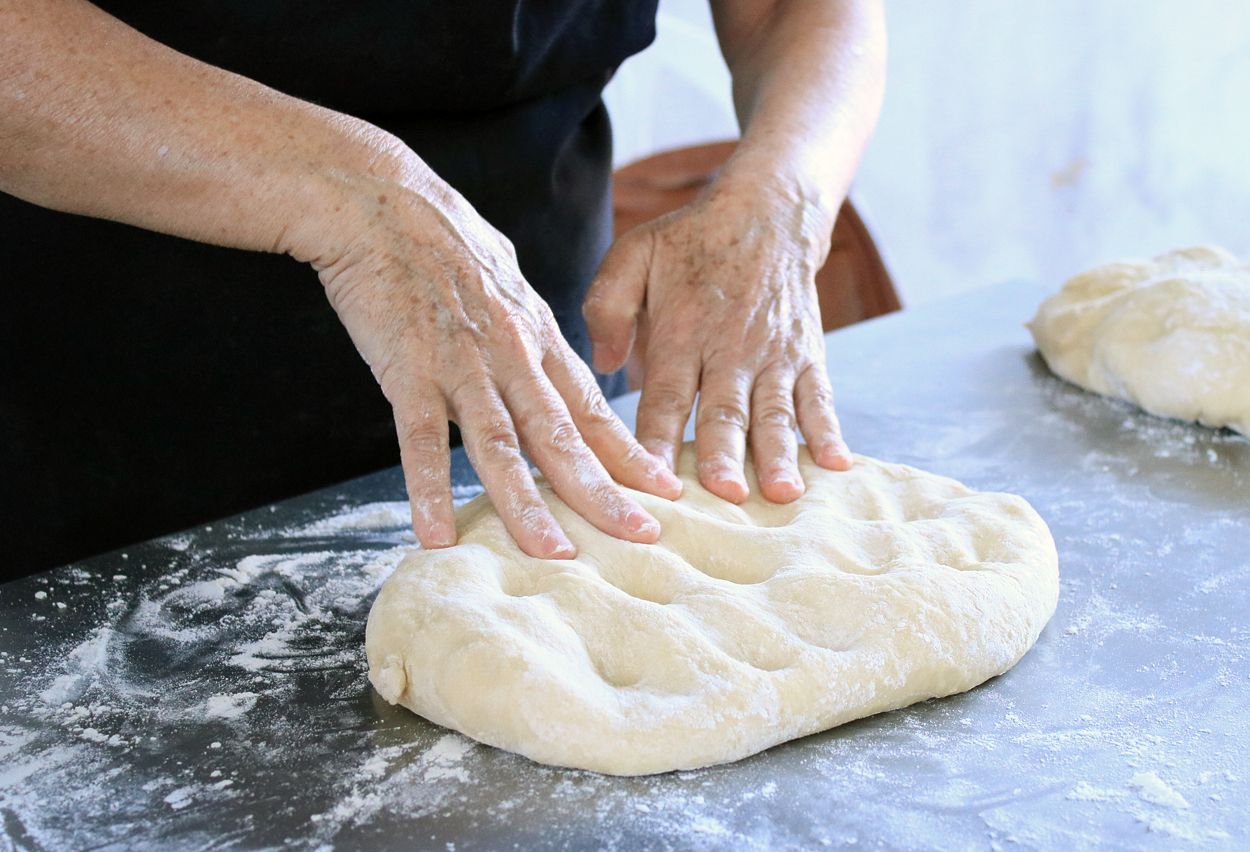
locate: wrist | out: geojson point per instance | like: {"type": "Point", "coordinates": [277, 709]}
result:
{"type": "Point", "coordinates": [356, 184]}
{"type": "Point", "coordinates": [782, 194]}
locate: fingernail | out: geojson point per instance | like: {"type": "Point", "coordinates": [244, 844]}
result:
{"type": "Point", "coordinates": [641, 522]}
{"type": "Point", "coordinates": [667, 478]}
{"type": "Point", "coordinates": [843, 451]}
{"type": "Point", "coordinates": [834, 453]}
{"type": "Point", "coordinates": [557, 546]}
{"type": "Point", "coordinates": [727, 477]}
{"type": "Point", "coordinates": [442, 536]}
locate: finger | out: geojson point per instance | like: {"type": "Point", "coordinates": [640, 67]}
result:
{"type": "Point", "coordinates": [720, 432]}
{"type": "Point", "coordinates": [554, 444]}
{"type": "Point", "coordinates": [621, 455]}
{"type": "Point", "coordinates": [490, 439]}
{"type": "Point", "coordinates": [614, 300]}
{"type": "Point", "coordinates": [668, 393]}
{"type": "Point", "coordinates": [774, 447]}
{"type": "Point", "coordinates": [817, 420]}
{"type": "Point", "coordinates": [426, 458]}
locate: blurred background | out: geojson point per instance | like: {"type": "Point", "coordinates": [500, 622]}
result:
{"type": "Point", "coordinates": [1018, 140]}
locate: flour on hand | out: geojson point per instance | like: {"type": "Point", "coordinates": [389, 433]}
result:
{"type": "Point", "coordinates": [743, 627]}
{"type": "Point", "coordinates": [1171, 335]}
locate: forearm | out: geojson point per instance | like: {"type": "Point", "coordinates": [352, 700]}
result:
{"type": "Point", "coordinates": [808, 78]}
{"type": "Point", "coordinates": [97, 119]}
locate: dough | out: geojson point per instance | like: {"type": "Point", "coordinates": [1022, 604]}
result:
{"type": "Point", "coordinates": [745, 626]}
{"type": "Point", "coordinates": [1171, 335]}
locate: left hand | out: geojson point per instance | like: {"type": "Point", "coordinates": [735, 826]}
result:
{"type": "Point", "coordinates": [727, 284]}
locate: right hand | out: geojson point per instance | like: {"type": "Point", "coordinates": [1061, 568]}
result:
{"type": "Point", "coordinates": [429, 292]}
{"type": "Point", "coordinates": [435, 302]}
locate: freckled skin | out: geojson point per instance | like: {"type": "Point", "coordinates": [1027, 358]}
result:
{"type": "Point", "coordinates": [109, 123]}
{"type": "Point", "coordinates": [726, 285]}
{"type": "Point", "coordinates": [467, 339]}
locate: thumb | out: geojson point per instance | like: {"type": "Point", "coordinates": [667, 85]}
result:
{"type": "Point", "coordinates": [615, 299]}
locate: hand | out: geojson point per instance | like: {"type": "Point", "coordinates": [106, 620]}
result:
{"type": "Point", "coordinates": [433, 298]}
{"type": "Point", "coordinates": [727, 284]}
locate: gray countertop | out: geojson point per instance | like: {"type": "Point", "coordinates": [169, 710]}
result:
{"type": "Point", "coordinates": [207, 691]}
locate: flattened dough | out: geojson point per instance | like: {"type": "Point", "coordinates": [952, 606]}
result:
{"type": "Point", "coordinates": [745, 626]}
{"type": "Point", "coordinates": [1171, 335]}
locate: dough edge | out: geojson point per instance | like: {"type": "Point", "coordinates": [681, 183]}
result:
{"type": "Point", "coordinates": [564, 731]}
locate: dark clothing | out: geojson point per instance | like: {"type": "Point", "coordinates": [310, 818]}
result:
{"type": "Point", "coordinates": [399, 57]}
{"type": "Point", "coordinates": [150, 383]}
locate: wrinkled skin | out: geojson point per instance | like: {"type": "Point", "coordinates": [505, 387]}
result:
{"type": "Point", "coordinates": [432, 295]}
{"type": "Point", "coordinates": [434, 300]}
{"type": "Point", "coordinates": [727, 287]}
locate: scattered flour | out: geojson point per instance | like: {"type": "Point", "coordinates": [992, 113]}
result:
{"type": "Point", "coordinates": [229, 706]}
{"type": "Point", "coordinates": [244, 642]}
{"type": "Point", "coordinates": [389, 515]}
{"type": "Point", "coordinates": [81, 666]}
{"type": "Point", "coordinates": [178, 543]}
{"type": "Point", "coordinates": [180, 798]}
{"type": "Point", "coordinates": [445, 758]}
{"type": "Point", "coordinates": [1085, 792]}
{"type": "Point", "coordinates": [1151, 788]}
{"type": "Point", "coordinates": [209, 642]}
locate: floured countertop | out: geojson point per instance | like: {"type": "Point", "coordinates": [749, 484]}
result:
{"type": "Point", "coordinates": [207, 691]}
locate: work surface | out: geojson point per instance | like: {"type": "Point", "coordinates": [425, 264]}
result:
{"type": "Point", "coordinates": [207, 691]}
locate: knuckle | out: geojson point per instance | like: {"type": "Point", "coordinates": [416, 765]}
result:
{"type": "Point", "coordinates": [610, 308]}
{"type": "Point", "coordinates": [564, 437]}
{"type": "Point", "coordinates": [613, 504]}
{"type": "Point", "coordinates": [497, 442]}
{"type": "Point", "coordinates": [723, 414]}
{"type": "Point", "coordinates": [596, 410]}
{"type": "Point", "coordinates": [668, 399]}
{"type": "Point", "coordinates": [604, 495]}
{"type": "Point", "coordinates": [422, 439]}
{"type": "Point", "coordinates": [596, 298]}
{"type": "Point", "coordinates": [823, 393]}
{"type": "Point", "coordinates": [634, 454]}
{"type": "Point", "coordinates": [518, 339]}
{"type": "Point", "coordinates": [544, 317]}
{"type": "Point", "coordinates": [775, 415]}
{"type": "Point", "coordinates": [525, 513]}
{"type": "Point", "coordinates": [472, 384]}
{"type": "Point", "coordinates": [385, 375]}
{"type": "Point", "coordinates": [429, 502]}
{"type": "Point", "coordinates": [813, 380]}
{"type": "Point", "coordinates": [820, 397]}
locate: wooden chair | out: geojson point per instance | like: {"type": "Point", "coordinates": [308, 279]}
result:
{"type": "Point", "coordinates": [853, 285]}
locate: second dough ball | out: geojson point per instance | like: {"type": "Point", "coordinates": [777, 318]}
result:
{"type": "Point", "coordinates": [1171, 335]}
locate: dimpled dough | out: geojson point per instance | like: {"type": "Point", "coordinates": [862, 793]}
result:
{"type": "Point", "coordinates": [1171, 335]}
{"type": "Point", "coordinates": [745, 626]}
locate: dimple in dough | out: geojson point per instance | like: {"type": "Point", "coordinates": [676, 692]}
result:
{"type": "Point", "coordinates": [744, 626]}
{"type": "Point", "coordinates": [1171, 335]}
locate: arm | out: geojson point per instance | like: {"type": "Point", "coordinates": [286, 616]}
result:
{"type": "Point", "coordinates": [728, 283]}
{"type": "Point", "coordinates": [99, 120]}
{"type": "Point", "coordinates": [808, 79]}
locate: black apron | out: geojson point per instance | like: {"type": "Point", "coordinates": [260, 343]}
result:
{"type": "Point", "coordinates": [151, 383]}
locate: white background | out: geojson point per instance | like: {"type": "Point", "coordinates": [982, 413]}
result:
{"type": "Point", "coordinates": [1018, 140]}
